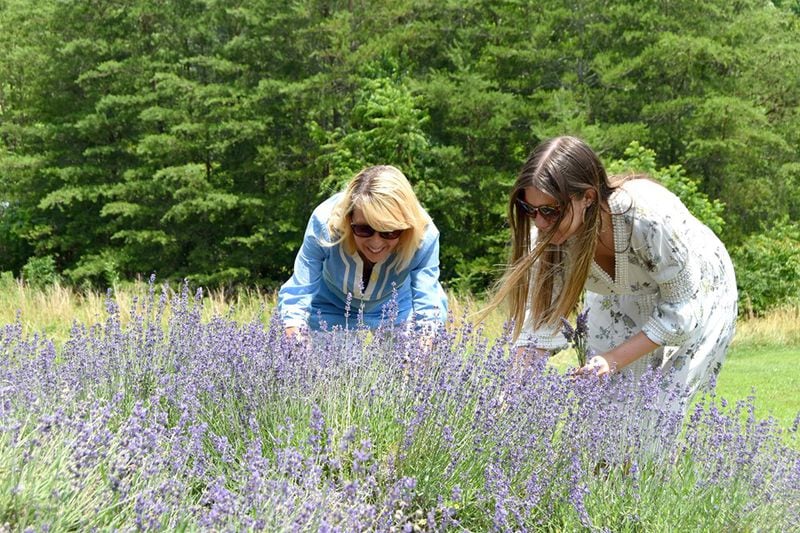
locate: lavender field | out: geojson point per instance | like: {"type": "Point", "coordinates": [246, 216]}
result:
{"type": "Point", "coordinates": [161, 420]}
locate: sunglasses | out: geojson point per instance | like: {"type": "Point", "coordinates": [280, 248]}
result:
{"type": "Point", "coordinates": [366, 231]}
{"type": "Point", "coordinates": [550, 213]}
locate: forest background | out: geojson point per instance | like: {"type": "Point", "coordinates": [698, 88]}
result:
{"type": "Point", "coordinates": [193, 138]}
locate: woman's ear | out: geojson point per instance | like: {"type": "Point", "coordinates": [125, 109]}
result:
{"type": "Point", "coordinates": [589, 197]}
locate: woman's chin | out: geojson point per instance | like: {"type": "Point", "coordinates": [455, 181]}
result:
{"type": "Point", "coordinates": [374, 258]}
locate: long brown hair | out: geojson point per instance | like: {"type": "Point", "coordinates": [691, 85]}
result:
{"type": "Point", "coordinates": [562, 167]}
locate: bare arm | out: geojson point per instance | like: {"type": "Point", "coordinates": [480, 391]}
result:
{"type": "Point", "coordinates": [618, 358]}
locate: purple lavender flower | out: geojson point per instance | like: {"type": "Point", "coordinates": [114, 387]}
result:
{"type": "Point", "coordinates": [178, 421]}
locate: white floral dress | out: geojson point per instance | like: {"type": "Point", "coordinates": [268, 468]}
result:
{"type": "Point", "coordinates": [673, 280]}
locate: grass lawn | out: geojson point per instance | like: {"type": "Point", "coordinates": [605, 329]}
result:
{"type": "Point", "coordinates": [771, 371]}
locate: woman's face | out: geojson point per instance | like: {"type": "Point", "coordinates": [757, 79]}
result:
{"type": "Point", "coordinates": [375, 248]}
{"type": "Point", "coordinates": [569, 224]}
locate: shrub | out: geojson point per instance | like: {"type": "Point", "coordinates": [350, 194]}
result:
{"type": "Point", "coordinates": [768, 268]}
{"type": "Point", "coordinates": [40, 272]}
{"type": "Point", "coordinates": [165, 421]}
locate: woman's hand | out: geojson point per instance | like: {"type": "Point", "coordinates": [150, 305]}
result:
{"type": "Point", "coordinates": [597, 365]}
{"type": "Point", "coordinates": [618, 358]}
{"type": "Point", "coordinates": [298, 335]}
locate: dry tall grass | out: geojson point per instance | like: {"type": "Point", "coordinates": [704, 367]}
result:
{"type": "Point", "coordinates": [54, 309]}
{"type": "Point", "coordinates": [780, 327]}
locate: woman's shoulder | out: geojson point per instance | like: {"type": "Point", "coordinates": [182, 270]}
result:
{"type": "Point", "coordinates": [318, 222]}
{"type": "Point", "coordinates": [644, 190]}
{"type": "Point", "coordinates": [430, 236]}
{"type": "Point", "coordinates": [431, 229]}
{"type": "Point", "coordinates": [323, 211]}
{"type": "Point", "coordinates": [645, 196]}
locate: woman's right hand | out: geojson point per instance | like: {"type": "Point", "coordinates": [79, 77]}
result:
{"type": "Point", "coordinates": [597, 365]}
{"type": "Point", "coordinates": [298, 335]}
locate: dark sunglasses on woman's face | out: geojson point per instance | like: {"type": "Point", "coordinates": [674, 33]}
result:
{"type": "Point", "coordinates": [366, 231]}
{"type": "Point", "coordinates": [550, 213]}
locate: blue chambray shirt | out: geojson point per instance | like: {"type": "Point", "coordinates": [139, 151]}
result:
{"type": "Point", "coordinates": [316, 294]}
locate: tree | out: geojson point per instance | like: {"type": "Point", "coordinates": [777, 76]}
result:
{"type": "Point", "coordinates": [639, 159]}
{"type": "Point", "coordinates": [193, 138]}
{"type": "Point", "coordinates": [25, 54]}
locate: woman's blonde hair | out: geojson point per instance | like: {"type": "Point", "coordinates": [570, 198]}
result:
{"type": "Point", "coordinates": [387, 201]}
{"type": "Point", "coordinates": [563, 167]}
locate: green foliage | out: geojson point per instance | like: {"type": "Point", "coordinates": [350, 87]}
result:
{"type": "Point", "coordinates": [101, 270]}
{"type": "Point", "coordinates": [40, 272]}
{"type": "Point", "coordinates": [194, 138]}
{"type": "Point", "coordinates": [640, 159]}
{"type": "Point", "coordinates": [385, 126]}
{"type": "Point", "coordinates": [768, 267]}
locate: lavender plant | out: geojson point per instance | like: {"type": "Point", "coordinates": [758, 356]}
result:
{"type": "Point", "coordinates": [172, 422]}
{"type": "Point", "coordinates": [577, 336]}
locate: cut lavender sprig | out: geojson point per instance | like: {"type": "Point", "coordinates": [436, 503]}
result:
{"type": "Point", "coordinates": [578, 336]}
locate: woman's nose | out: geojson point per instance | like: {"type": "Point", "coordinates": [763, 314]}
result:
{"type": "Point", "coordinates": [540, 222]}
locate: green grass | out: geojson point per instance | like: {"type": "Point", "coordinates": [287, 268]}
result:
{"type": "Point", "coordinates": [770, 373]}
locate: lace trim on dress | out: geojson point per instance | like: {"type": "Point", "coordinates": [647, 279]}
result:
{"type": "Point", "coordinates": [621, 204]}
{"type": "Point", "coordinates": [682, 287]}
{"type": "Point", "coordinates": [660, 335]}
{"type": "Point", "coordinates": [552, 342]}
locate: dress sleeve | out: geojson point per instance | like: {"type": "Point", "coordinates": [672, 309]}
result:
{"type": "Point", "coordinates": [428, 298]}
{"type": "Point", "coordinates": [542, 338]}
{"type": "Point", "coordinates": [295, 296]}
{"type": "Point", "coordinates": [660, 244]}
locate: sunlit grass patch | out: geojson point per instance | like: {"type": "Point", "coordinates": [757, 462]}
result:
{"type": "Point", "coordinates": [766, 373]}
{"type": "Point", "coordinates": [780, 327]}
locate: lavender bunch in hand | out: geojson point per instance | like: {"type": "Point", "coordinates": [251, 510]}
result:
{"type": "Point", "coordinates": [578, 336]}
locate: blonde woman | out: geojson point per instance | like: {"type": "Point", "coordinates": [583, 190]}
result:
{"type": "Point", "coordinates": [365, 248]}
{"type": "Point", "coordinates": [659, 286]}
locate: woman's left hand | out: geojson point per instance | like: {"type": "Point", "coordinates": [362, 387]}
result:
{"type": "Point", "coordinates": [597, 365]}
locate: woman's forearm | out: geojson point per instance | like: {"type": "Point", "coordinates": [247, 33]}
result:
{"type": "Point", "coordinates": [629, 351]}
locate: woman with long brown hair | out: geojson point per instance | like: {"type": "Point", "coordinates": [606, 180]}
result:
{"type": "Point", "coordinates": [659, 286]}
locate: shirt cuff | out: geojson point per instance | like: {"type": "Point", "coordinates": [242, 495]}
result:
{"type": "Point", "coordinates": [552, 342]}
